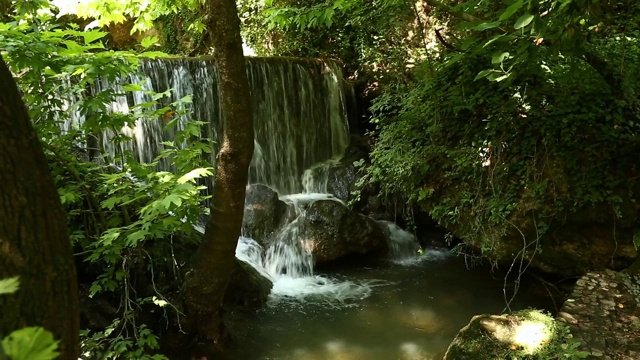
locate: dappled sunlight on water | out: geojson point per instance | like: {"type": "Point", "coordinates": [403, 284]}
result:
{"type": "Point", "coordinates": [340, 350]}
{"type": "Point", "coordinates": [410, 312]}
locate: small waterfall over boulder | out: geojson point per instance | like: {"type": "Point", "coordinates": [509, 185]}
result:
{"type": "Point", "coordinates": [319, 227]}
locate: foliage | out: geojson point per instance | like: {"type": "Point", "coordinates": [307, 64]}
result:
{"type": "Point", "coordinates": [125, 216]}
{"type": "Point", "coordinates": [110, 345]}
{"type": "Point", "coordinates": [143, 13]}
{"type": "Point", "coordinates": [515, 124]}
{"type": "Point", "coordinates": [374, 39]}
{"type": "Point", "coordinates": [29, 343]}
{"type": "Point", "coordinates": [9, 286]}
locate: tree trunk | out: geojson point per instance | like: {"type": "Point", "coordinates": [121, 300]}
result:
{"type": "Point", "coordinates": [34, 242]}
{"type": "Point", "coordinates": [208, 280]}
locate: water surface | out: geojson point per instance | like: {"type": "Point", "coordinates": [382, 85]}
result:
{"type": "Point", "coordinates": [409, 310]}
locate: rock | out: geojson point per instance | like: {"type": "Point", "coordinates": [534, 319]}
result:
{"type": "Point", "coordinates": [341, 180]}
{"type": "Point", "coordinates": [247, 286]}
{"type": "Point", "coordinates": [331, 230]}
{"type": "Point", "coordinates": [490, 337]}
{"type": "Point", "coordinates": [264, 213]}
{"type": "Point", "coordinates": [601, 318]}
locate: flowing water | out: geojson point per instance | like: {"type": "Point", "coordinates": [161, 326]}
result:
{"type": "Point", "coordinates": [300, 110]}
{"type": "Point", "coordinates": [407, 308]}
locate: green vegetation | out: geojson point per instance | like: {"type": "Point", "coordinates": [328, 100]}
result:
{"type": "Point", "coordinates": [125, 216]}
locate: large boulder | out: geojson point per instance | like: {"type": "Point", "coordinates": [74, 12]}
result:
{"type": "Point", "coordinates": [264, 214]}
{"type": "Point", "coordinates": [330, 230]}
{"type": "Point", "coordinates": [527, 334]}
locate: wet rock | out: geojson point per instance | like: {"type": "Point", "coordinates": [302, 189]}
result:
{"type": "Point", "coordinates": [331, 231]}
{"type": "Point", "coordinates": [341, 180]}
{"type": "Point", "coordinates": [247, 286]}
{"type": "Point", "coordinates": [264, 213]}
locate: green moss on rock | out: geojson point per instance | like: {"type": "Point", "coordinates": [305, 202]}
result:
{"type": "Point", "coordinates": [524, 335]}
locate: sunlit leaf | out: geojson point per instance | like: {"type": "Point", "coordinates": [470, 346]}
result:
{"type": "Point", "coordinates": [484, 73]}
{"type": "Point", "coordinates": [149, 41]}
{"type": "Point", "coordinates": [132, 87]}
{"type": "Point", "coordinates": [10, 285]}
{"type": "Point", "coordinates": [194, 174]}
{"type": "Point", "coordinates": [91, 36]}
{"type": "Point", "coordinates": [499, 57]}
{"type": "Point", "coordinates": [31, 343]}
{"type": "Point", "coordinates": [523, 21]}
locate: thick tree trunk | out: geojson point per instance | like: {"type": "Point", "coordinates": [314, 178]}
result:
{"type": "Point", "coordinates": [34, 242]}
{"type": "Point", "coordinates": [208, 280]}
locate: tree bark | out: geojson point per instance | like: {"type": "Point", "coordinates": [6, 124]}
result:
{"type": "Point", "coordinates": [34, 242]}
{"type": "Point", "coordinates": [208, 280]}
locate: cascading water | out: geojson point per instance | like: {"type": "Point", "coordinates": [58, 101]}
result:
{"type": "Point", "coordinates": [290, 270]}
{"type": "Point", "coordinates": [299, 110]}
{"type": "Point", "coordinates": [301, 130]}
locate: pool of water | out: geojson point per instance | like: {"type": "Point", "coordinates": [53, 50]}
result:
{"type": "Point", "coordinates": [407, 311]}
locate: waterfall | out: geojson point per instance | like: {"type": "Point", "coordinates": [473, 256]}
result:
{"type": "Point", "coordinates": [299, 112]}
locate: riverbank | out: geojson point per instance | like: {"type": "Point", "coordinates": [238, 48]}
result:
{"type": "Point", "coordinates": [603, 313]}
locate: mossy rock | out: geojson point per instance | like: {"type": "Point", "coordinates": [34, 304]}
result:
{"type": "Point", "coordinates": [524, 335]}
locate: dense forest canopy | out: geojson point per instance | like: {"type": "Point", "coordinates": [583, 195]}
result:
{"type": "Point", "coordinates": [500, 119]}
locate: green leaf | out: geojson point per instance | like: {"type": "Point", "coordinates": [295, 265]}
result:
{"type": "Point", "coordinates": [149, 41]}
{"type": "Point", "coordinates": [10, 285]}
{"type": "Point", "coordinates": [171, 198]}
{"type": "Point", "coordinates": [31, 343]}
{"type": "Point", "coordinates": [488, 25]}
{"type": "Point", "coordinates": [91, 36]}
{"type": "Point", "coordinates": [498, 57]}
{"type": "Point", "coordinates": [111, 202]}
{"type": "Point", "coordinates": [484, 73]}
{"type": "Point", "coordinates": [73, 48]}
{"type": "Point", "coordinates": [523, 21]}
{"type": "Point", "coordinates": [511, 10]}
{"type": "Point", "coordinates": [497, 76]}
{"type": "Point", "coordinates": [498, 37]}
{"type": "Point", "coordinates": [194, 174]}
{"type": "Point", "coordinates": [135, 237]}
{"type": "Point", "coordinates": [132, 87]}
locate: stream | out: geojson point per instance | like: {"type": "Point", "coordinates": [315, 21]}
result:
{"type": "Point", "coordinates": [406, 309]}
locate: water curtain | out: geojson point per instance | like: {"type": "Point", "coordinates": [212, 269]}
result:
{"type": "Point", "coordinates": [300, 109]}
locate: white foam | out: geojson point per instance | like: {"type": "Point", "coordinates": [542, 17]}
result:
{"type": "Point", "coordinates": [291, 284]}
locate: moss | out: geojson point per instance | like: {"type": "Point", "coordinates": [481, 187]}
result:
{"type": "Point", "coordinates": [524, 335]}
